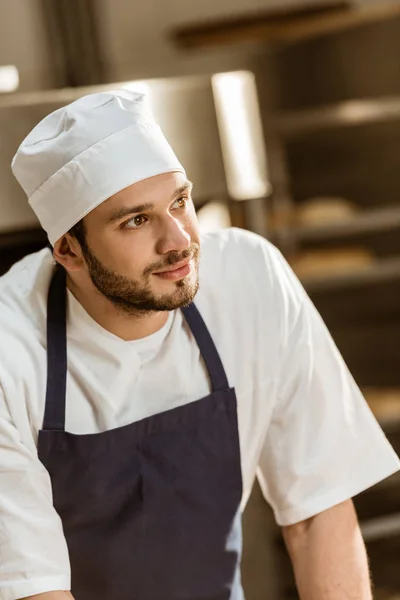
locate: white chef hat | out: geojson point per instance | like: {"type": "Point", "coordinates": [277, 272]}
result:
{"type": "Point", "coordinates": [80, 155]}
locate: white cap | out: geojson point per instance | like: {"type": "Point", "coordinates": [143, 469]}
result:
{"type": "Point", "coordinates": [80, 155]}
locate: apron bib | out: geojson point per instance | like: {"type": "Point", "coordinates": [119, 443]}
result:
{"type": "Point", "coordinates": [150, 510]}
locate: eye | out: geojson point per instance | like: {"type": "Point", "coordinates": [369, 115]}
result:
{"type": "Point", "coordinates": [135, 222]}
{"type": "Point", "coordinates": [180, 202]}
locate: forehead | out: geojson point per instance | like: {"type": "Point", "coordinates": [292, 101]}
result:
{"type": "Point", "coordinates": [155, 190]}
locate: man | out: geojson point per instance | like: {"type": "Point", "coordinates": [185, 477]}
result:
{"type": "Point", "coordinates": [147, 376]}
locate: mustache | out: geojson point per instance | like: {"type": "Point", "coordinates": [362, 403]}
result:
{"type": "Point", "coordinates": [173, 258]}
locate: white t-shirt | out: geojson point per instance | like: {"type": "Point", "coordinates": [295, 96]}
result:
{"type": "Point", "coordinates": [304, 426]}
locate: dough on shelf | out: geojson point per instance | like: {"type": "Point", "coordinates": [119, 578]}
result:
{"type": "Point", "coordinates": [320, 263]}
{"type": "Point", "coordinates": [324, 211]}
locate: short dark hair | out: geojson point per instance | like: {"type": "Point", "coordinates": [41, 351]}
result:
{"type": "Point", "coordinates": [78, 231]}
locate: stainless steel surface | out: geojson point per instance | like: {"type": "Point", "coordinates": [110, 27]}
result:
{"type": "Point", "coordinates": [342, 114]}
{"type": "Point", "coordinates": [255, 216]}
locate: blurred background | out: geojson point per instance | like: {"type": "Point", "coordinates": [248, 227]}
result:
{"type": "Point", "coordinates": [286, 114]}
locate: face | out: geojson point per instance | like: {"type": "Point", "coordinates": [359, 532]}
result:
{"type": "Point", "coordinates": [142, 246]}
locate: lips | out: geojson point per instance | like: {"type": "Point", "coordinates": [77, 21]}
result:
{"type": "Point", "coordinates": [177, 271]}
{"type": "Point", "coordinates": [175, 267]}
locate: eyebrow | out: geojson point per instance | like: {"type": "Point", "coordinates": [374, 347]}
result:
{"type": "Point", "coordinates": [139, 208]}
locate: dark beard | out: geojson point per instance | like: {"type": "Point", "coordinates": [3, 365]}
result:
{"type": "Point", "coordinates": [132, 297]}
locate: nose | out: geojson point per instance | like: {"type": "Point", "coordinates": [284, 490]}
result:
{"type": "Point", "coordinates": [173, 236]}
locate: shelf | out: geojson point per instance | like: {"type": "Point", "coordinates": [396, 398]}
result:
{"type": "Point", "coordinates": [344, 114]}
{"type": "Point", "coordinates": [284, 26]}
{"type": "Point", "coordinates": [371, 221]}
{"type": "Point", "coordinates": [380, 272]}
{"type": "Point", "coordinates": [381, 527]}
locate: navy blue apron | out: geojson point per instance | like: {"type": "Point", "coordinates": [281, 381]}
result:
{"type": "Point", "coordinates": [151, 510]}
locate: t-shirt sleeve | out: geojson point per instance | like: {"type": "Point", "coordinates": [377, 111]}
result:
{"type": "Point", "coordinates": [33, 551]}
{"type": "Point", "coordinates": [323, 445]}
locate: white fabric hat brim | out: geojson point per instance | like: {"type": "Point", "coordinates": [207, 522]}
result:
{"type": "Point", "coordinates": [99, 172]}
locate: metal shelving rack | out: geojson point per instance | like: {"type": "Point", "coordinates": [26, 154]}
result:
{"type": "Point", "coordinates": [295, 126]}
{"type": "Point", "coordinates": [292, 125]}
{"type": "Point", "coordinates": [343, 114]}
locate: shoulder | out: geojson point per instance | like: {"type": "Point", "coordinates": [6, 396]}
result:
{"type": "Point", "coordinates": [239, 277]}
{"type": "Point", "coordinates": [23, 294]}
{"type": "Point", "coordinates": [239, 300]}
{"type": "Point", "coordinates": [23, 289]}
{"type": "Point", "coordinates": [246, 282]}
{"type": "Point", "coordinates": [236, 258]}
{"type": "Point", "coordinates": [231, 241]}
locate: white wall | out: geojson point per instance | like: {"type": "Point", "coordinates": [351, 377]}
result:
{"type": "Point", "coordinates": [137, 36]}
{"type": "Point", "coordinates": [24, 43]}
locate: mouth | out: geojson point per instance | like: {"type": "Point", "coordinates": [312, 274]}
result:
{"type": "Point", "coordinates": [177, 271]}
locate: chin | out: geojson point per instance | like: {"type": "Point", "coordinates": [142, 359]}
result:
{"type": "Point", "coordinates": [182, 294]}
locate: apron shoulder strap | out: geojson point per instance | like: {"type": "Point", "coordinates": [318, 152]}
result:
{"type": "Point", "coordinates": [208, 350]}
{"type": "Point", "coordinates": [54, 416]}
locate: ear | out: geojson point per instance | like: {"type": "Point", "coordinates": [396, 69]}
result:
{"type": "Point", "coordinates": [68, 253]}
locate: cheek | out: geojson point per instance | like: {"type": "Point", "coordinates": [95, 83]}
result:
{"type": "Point", "coordinates": [131, 257]}
{"type": "Point", "coordinates": [191, 224]}
{"type": "Point", "coordinates": [123, 254]}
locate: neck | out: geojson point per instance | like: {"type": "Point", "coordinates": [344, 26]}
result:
{"type": "Point", "coordinates": [107, 315]}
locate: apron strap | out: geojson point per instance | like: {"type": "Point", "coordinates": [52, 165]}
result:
{"type": "Point", "coordinates": [54, 415]}
{"type": "Point", "coordinates": [209, 352]}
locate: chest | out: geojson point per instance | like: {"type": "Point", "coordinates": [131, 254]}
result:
{"type": "Point", "coordinates": [110, 395]}
{"type": "Point", "coordinates": [108, 389]}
